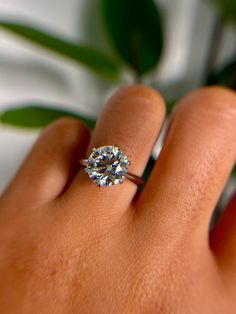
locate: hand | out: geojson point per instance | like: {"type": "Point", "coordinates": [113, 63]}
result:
{"type": "Point", "coordinates": [68, 246]}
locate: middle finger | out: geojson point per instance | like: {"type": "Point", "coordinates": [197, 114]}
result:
{"type": "Point", "coordinates": [190, 174]}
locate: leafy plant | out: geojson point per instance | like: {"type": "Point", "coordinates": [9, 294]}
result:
{"type": "Point", "coordinates": [38, 116]}
{"type": "Point", "coordinates": [225, 76]}
{"type": "Point", "coordinates": [138, 44]}
{"type": "Point", "coordinates": [135, 30]}
{"type": "Point", "coordinates": [226, 13]}
{"type": "Point", "coordinates": [90, 57]}
{"type": "Point", "coordinates": [227, 9]}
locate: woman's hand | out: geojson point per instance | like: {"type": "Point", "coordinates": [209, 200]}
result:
{"type": "Point", "coordinates": [68, 246]}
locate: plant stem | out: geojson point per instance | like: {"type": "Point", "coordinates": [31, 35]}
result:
{"type": "Point", "coordinates": [214, 49]}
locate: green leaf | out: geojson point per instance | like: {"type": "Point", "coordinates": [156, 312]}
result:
{"type": "Point", "coordinates": [225, 77]}
{"type": "Point", "coordinates": [90, 57]}
{"type": "Point", "coordinates": [227, 9]}
{"type": "Point", "coordinates": [135, 29]}
{"type": "Point", "coordinates": [234, 171]}
{"type": "Point", "coordinates": [37, 116]}
{"type": "Point", "coordinates": [170, 106]}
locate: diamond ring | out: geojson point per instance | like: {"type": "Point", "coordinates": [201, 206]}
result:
{"type": "Point", "coordinates": [108, 165]}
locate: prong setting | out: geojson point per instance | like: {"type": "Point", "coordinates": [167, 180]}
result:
{"type": "Point", "coordinates": [107, 165]}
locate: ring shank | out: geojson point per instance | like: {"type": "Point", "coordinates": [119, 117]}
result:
{"type": "Point", "coordinates": [135, 179]}
{"type": "Point", "coordinates": [132, 177]}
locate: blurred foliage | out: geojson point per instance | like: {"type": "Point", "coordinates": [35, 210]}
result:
{"type": "Point", "coordinates": [225, 76]}
{"type": "Point", "coordinates": [234, 171]}
{"type": "Point", "coordinates": [38, 116]}
{"type": "Point", "coordinates": [170, 106]}
{"type": "Point", "coordinates": [90, 57]}
{"type": "Point", "coordinates": [135, 29]}
{"type": "Point", "coordinates": [227, 9]}
{"type": "Point", "coordinates": [136, 33]}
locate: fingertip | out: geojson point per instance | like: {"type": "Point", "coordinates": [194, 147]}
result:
{"type": "Point", "coordinates": [67, 127]}
{"type": "Point", "coordinates": [213, 98]}
{"type": "Point", "coordinates": [140, 95]}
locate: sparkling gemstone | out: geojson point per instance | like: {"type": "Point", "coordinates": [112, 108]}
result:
{"type": "Point", "coordinates": [107, 165]}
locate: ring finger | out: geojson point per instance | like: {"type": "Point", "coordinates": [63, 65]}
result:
{"type": "Point", "coordinates": [131, 119]}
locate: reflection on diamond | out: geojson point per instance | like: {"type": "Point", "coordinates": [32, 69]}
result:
{"type": "Point", "coordinates": [107, 165]}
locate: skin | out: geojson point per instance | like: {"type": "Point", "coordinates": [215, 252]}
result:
{"type": "Point", "coordinates": [68, 246]}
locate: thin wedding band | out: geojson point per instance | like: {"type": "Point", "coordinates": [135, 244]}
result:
{"type": "Point", "coordinates": [108, 165]}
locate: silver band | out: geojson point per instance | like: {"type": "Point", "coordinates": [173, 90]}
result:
{"type": "Point", "coordinates": [132, 177]}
